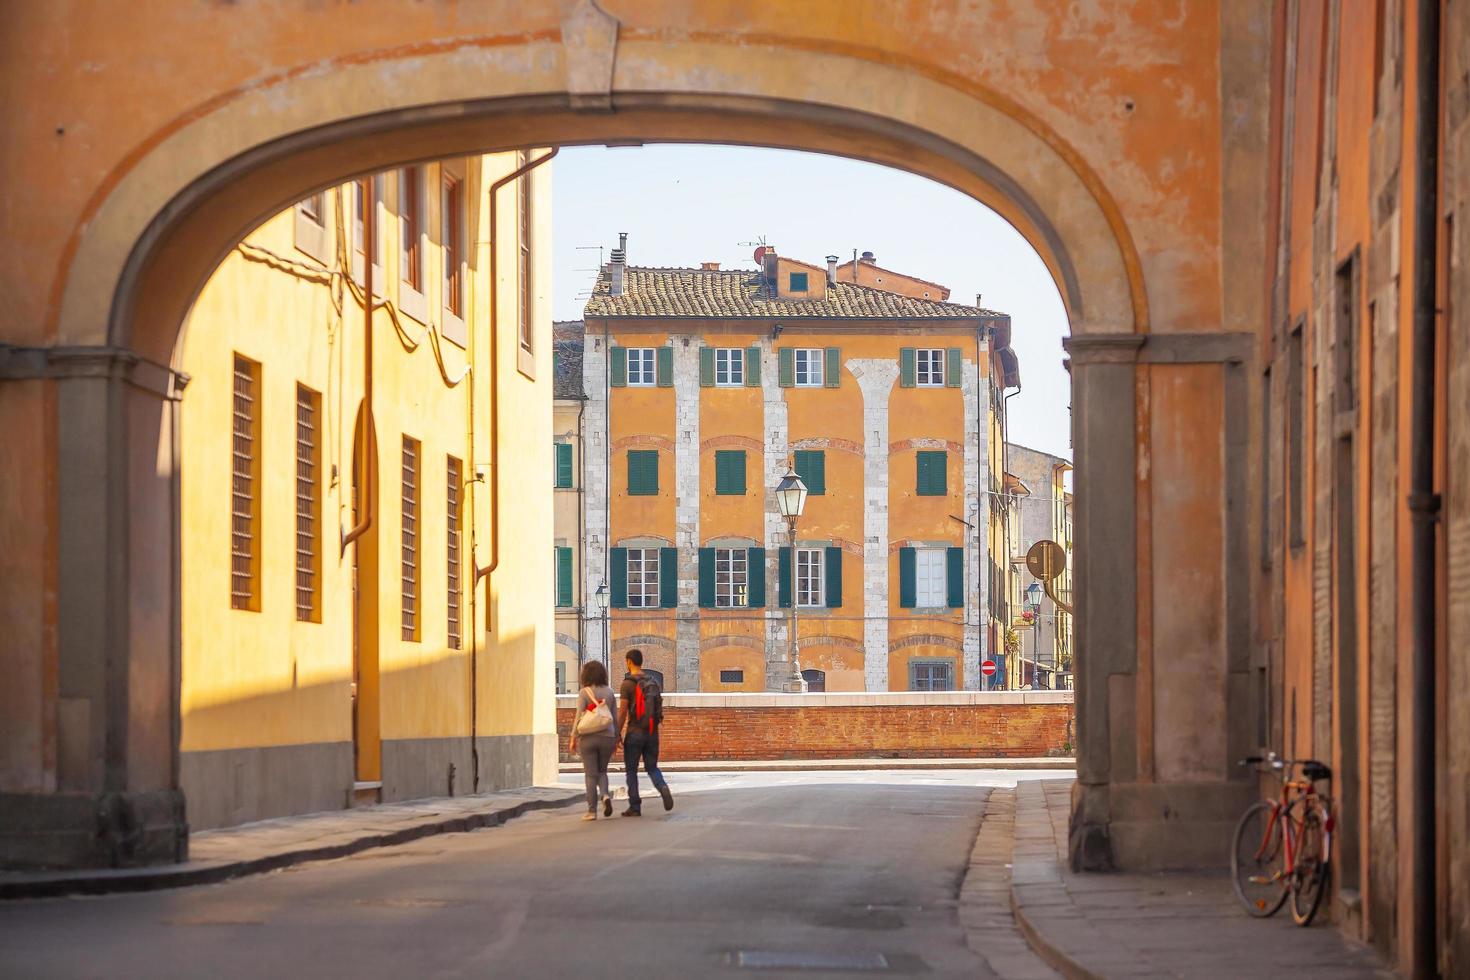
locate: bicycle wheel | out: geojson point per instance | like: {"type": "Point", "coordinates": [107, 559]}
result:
{"type": "Point", "coordinates": [1258, 861]}
{"type": "Point", "coordinates": [1309, 880]}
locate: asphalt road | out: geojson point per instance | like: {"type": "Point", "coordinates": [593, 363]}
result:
{"type": "Point", "coordinates": [833, 869]}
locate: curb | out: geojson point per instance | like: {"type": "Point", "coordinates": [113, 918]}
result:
{"type": "Point", "coordinates": [113, 881]}
{"type": "Point", "coordinates": [848, 765]}
{"type": "Point", "coordinates": [1051, 954]}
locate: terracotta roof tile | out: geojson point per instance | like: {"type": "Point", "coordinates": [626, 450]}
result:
{"type": "Point", "coordinates": [734, 293]}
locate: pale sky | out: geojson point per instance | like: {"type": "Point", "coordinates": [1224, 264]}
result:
{"type": "Point", "coordinates": [682, 205]}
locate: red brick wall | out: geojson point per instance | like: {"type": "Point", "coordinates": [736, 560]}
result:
{"type": "Point", "coordinates": [717, 734]}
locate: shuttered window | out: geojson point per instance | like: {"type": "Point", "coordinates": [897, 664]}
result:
{"type": "Point", "coordinates": [451, 207]}
{"type": "Point", "coordinates": [798, 282]}
{"type": "Point", "coordinates": [563, 465]}
{"type": "Point", "coordinates": [730, 471]}
{"type": "Point", "coordinates": [729, 367]}
{"type": "Point", "coordinates": [932, 467]}
{"type": "Point", "coordinates": [409, 540]}
{"type": "Point", "coordinates": [643, 578]}
{"type": "Point", "coordinates": [929, 368]}
{"type": "Point", "coordinates": [643, 472]}
{"type": "Point", "coordinates": [732, 582]}
{"type": "Point", "coordinates": [410, 227]}
{"type": "Point", "coordinates": [811, 466]}
{"type": "Point", "coordinates": [244, 487]}
{"type": "Point", "coordinates": [454, 516]}
{"type": "Point", "coordinates": [931, 675]}
{"type": "Point", "coordinates": [640, 367]}
{"type": "Point", "coordinates": [810, 565]}
{"type": "Point", "coordinates": [809, 364]}
{"type": "Point", "coordinates": [563, 577]}
{"type": "Point", "coordinates": [308, 505]}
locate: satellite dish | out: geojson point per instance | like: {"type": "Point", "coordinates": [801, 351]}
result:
{"type": "Point", "coordinates": [760, 253]}
{"type": "Point", "coordinates": [1046, 560]}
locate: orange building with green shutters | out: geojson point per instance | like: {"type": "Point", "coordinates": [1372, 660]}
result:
{"type": "Point", "coordinates": [702, 386]}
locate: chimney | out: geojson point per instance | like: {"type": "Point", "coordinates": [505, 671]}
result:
{"type": "Point", "coordinates": [869, 258]}
{"type": "Point", "coordinates": [770, 268]}
{"type": "Point", "coordinates": [617, 267]}
{"type": "Point", "coordinates": [710, 266]}
{"type": "Point", "coordinates": [977, 301]}
{"type": "Point", "coordinates": [623, 242]}
{"type": "Point", "coordinates": [831, 270]}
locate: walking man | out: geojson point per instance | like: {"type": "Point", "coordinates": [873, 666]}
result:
{"type": "Point", "coordinates": [640, 713]}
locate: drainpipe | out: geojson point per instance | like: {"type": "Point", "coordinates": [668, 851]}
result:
{"type": "Point", "coordinates": [582, 522]}
{"type": "Point", "coordinates": [365, 504]}
{"type": "Point", "coordinates": [1424, 503]}
{"type": "Point", "coordinates": [1005, 460]}
{"type": "Point", "coordinates": [495, 369]}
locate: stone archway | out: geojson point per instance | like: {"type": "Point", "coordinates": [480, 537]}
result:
{"type": "Point", "coordinates": [160, 222]}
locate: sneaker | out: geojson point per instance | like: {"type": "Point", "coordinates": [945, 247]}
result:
{"type": "Point", "coordinates": [630, 812]}
{"type": "Point", "coordinates": [590, 815]}
{"type": "Point", "coordinates": [668, 797]}
{"type": "Point", "coordinates": [607, 806]}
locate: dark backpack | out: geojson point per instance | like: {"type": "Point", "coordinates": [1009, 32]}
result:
{"type": "Point", "coordinates": [648, 703]}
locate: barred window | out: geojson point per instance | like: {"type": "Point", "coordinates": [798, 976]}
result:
{"type": "Point", "coordinates": [731, 577]}
{"type": "Point", "coordinates": [410, 539]}
{"type": "Point", "coordinates": [308, 505]}
{"type": "Point", "coordinates": [643, 578]}
{"type": "Point", "coordinates": [244, 481]}
{"type": "Point", "coordinates": [454, 469]}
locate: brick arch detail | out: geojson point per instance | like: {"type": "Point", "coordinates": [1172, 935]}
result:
{"type": "Point", "coordinates": [832, 640]}
{"type": "Point", "coordinates": [569, 641]}
{"type": "Point", "coordinates": [823, 442]}
{"type": "Point", "coordinates": [926, 640]}
{"type": "Point", "coordinates": [643, 442]}
{"type": "Point", "coordinates": [908, 445]}
{"type": "Point", "coordinates": [625, 643]}
{"type": "Point", "coordinates": [715, 642]}
{"type": "Point", "coordinates": [731, 442]}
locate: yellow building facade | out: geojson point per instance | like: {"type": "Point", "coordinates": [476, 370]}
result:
{"type": "Point", "coordinates": [357, 624]}
{"type": "Point", "coordinates": [703, 386]}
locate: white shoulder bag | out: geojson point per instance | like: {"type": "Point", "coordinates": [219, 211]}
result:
{"type": "Point", "coordinates": [597, 719]}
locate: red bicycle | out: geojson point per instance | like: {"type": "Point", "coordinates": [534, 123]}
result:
{"type": "Point", "coordinates": [1284, 847]}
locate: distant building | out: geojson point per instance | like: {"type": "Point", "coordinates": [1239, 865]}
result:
{"type": "Point", "coordinates": [573, 618]}
{"type": "Point", "coordinates": [702, 386]}
{"type": "Point", "coordinates": [1043, 508]}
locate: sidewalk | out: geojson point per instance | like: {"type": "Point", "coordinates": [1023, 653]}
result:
{"type": "Point", "coordinates": [841, 765]}
{"type": "Point", "coordinates": [215, 855]}
{"type": "Point", "coordinates": [1153, 925]}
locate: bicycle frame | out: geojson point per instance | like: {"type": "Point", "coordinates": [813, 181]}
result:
{"type": "Point", "coordinates": [1296, 794]}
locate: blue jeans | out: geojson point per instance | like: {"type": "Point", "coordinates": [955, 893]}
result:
{"type": "Point", "coordinates": [639, 745]}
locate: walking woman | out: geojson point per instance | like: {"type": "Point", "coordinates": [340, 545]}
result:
{"type": "Point", "coordinates": [594, 735]}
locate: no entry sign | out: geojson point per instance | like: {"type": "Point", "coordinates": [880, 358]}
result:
{"type": "Point", "coordinates": [987, 667]}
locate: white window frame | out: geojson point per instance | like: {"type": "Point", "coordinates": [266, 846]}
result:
{"type": "Point", "coordinates": [732, 578]}
{"type": "Point", "coordinates": [804, 374]}
{"type": "Point", "coordinates": [931, 578]}
{"type": "Point", "coordinates": [643, 583]}
{"type": "Point", "coordinates": [811, 577]}
{"type": "Point", "coordinates": [930, 374]}
{"type": "Point", "coordinates": [729, 367]}
{"type": "Point", "coordinates": [645, 373]}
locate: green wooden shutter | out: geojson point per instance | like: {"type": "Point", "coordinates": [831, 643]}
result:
{"type": "Point", "coordinates": [786, 360]}
{"type": "Point", "coordinates": [908, 585]}
{"type": "Point", "coordinates": [730, 471]}
{"type": "Point", "coordinates": [753, 367]}
{"type": "Point", "coordinates": [952, 368]}
{"type": "Point", "coordinates": [563, 576]}
{"type": "Point", "coordinates": [932, 465]}
{"type": "Point", "coordinates": [643, 472]}
{"type": "Point", "coordinates": [619, 367]}
{"type": "Point", "coordinates": [618, 577]}
{"type": "Point", "coordinates": [563, 464]}
{"type": "Point", "coordinates": [665, 367]}
{"type": "Point", "coordinates": [737, 471]}
{"type": "Point", "coordinates": [783, 577]}
{"type": "Point", "coordinates": [668, 577]}
{"type": "Point", "coordinates": [707, 578]}
{"type": "Point", "coordinates": [906, 368]}
{"type": "Point", "coordinates": [955, 577]}
{"type": "Point", "coordinates": [834, 578]}
{"type": "Point", "coordinates": [832, 370]}
{"type": "Point", "coordinates": [811, 466]}
{"type": "Point", "coordinates": [755, 577]}
{"type": "Point", "coordinates": [706, 367]}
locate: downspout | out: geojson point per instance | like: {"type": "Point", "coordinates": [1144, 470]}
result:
{"type": "Point", "coordinates": [365, 505]}
{"type": "Point", "coordinates": [1005, 466]}
{"type": "Point", "coordinates": [582, 525]}
{"type": "Point", "coordinates": [1423, 502]}
{"type": "Point", "coordinates": [495, 370]}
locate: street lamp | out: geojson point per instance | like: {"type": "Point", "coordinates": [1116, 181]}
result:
{"type": "Point", "coordinates": [600, 598]}
{"type": "Point", "coordinates": [790, 500]}
{"type": "Point", "coordinates": [1033, 606]}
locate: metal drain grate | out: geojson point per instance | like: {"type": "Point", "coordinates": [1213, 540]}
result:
{"type": "Point", "coordinates": [761, 959]}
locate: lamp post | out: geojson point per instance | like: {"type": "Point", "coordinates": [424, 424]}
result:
{"type": "Point", "coordinates": [1033, 605]}
{"type": "Point", "coordinates": [600, 597]}
{"type": "Point", "coordinates": [790, 499]}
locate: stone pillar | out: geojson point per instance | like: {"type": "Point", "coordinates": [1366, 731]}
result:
{"type": "Point", "coordinates": [976, 468]}
{"type": "Point", "coordinates": [116, 801]}
{"type": "Point", "coordinates": [875, 377]}
{"type": "Point", "coordinates": [595, 476]}
{"type": "Point", "coordinates": [686, 512]}
{"type": "Point", "coordinates": [775, 459]}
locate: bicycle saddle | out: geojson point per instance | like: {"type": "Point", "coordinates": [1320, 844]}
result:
{"type": "Point", "coordinates": [1314, 770]}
